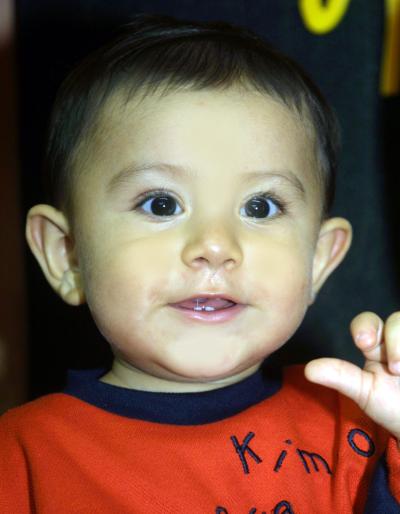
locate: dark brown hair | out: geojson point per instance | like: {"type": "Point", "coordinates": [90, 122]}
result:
{"type": "Point", "coordinates": [158, 53]}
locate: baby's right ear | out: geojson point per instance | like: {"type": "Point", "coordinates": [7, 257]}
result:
{"type": "Point", "coordinates": [49, 237]}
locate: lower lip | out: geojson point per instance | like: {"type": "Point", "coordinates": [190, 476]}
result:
{"type": "Point", "coordinates": [219, 316]}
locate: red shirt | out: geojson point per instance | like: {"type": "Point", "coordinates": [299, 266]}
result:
{"type": "Point", "coordinates": [301, 449]}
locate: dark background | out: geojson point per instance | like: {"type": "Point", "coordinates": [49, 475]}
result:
{"type": "Point", "coordinates": [346, 64]}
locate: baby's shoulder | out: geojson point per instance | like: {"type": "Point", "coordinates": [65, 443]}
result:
{"type": "Point", "coordinates": [36, 414]}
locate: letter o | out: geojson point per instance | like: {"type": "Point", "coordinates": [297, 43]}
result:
{"type": "Point", "coordinates": [371, 446]}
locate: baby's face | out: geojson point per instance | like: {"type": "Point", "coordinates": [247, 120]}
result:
{"type": "Point", "coordinates": [198, 195]}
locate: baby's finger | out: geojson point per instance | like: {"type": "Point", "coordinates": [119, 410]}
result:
{"type": "Point", "coordinates": [366, 329]}
{"type": "Point", "coordinates": [392, 342]}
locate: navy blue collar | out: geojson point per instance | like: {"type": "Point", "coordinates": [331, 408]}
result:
{"type": "Point", "coordinates": [173, 408]}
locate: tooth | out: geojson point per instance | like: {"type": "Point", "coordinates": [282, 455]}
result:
{"type": "Point", "coordinates": [204, 308]}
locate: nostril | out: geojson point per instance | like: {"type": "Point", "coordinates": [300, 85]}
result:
{"type": "Point", "coordinates": [200, 260]}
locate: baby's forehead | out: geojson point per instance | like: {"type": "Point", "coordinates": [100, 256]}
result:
{"type": "Point", "coordinates": [141, 109]}
{"type": "Point", "coordinates": [181, 128]}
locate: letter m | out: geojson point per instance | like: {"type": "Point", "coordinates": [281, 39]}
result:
{"type": "Point", "coordinates": [312, 458]}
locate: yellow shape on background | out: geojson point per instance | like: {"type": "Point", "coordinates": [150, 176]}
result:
{"type": "Point", "coordinates": [321, 17]}
{"type": "Point", "coordinates": [390, 69]}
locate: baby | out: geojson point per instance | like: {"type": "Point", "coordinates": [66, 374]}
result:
{"type": "Point", "coordinates": [192, 170]}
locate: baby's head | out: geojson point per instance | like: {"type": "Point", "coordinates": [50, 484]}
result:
{"type": "Point", "coordinates": [191, 170]}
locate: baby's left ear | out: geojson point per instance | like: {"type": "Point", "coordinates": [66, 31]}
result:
{"type": "Point", "coordinates": [333, 243]}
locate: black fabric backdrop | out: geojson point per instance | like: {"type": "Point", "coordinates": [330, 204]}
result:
{"type": "Point", "coordinates": [345, 62]}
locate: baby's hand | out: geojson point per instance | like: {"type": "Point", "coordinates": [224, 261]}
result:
{"type": "Point", "coordinates": [376, 387]}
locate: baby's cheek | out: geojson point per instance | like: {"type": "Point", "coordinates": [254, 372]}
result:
{"type": "Point", "coordinates": [287, 270]}
{"type": "Point", "coordinates": [284, 297]}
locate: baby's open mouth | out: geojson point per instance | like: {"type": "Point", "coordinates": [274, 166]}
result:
{"type": "Point", "coordinates": [205, 304]}
{"type": "Point", "coordinates": [209, 308]}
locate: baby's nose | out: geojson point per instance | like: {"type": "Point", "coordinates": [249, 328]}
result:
{"type": "Point", "coordinates": [213, 247]}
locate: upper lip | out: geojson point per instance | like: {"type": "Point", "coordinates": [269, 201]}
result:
{"type": "Point", "coordinates": [223, 296]}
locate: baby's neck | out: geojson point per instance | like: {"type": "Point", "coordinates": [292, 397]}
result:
{"type": "Point", "coordinates": [125, 375]}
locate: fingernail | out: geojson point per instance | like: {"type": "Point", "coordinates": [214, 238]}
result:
{"type": "Point", "coordinates": [367, 338]}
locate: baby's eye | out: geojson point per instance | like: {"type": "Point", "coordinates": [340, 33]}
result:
{"type": "Point", "coordinates": [261, 207]}
{"type": "Point", "coordinates": [160, 204]}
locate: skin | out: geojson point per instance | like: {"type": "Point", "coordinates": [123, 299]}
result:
{"type": "Point", "coordinates": [130, 265]}
{"type": "Point", "coordinates": [375, 387]}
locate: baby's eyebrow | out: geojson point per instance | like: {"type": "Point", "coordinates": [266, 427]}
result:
{"type": "Point", "coordinates": [287, 175]}
{"type": "Point", "coordinates": [179, 171]}
{"type": "Point", "coordinates": [135, 169]}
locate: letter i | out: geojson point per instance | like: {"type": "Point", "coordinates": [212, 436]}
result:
{"type": "Point", "coordinates": [281, 457]}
